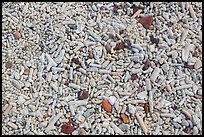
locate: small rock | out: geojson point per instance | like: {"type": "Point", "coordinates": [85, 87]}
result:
{"type": "Point", "coordinates": [8, 64]}
{"type": "Point", "coordinates": [119, 46]}
{"type": "Point", "coordinates": [112, 100]}
{"type": "Point", "coordinates": [106, 105]}
{"type": "Point", "coordinates": [146, 21]}
{"type": "Point", "coordinates": [154, 40]}
{"type": "Point", "coordinates": [90, 53]}
{"type": "Point", "coordinates": [187, 130]}
{"type": "Point", "coordinates": [133, 77]}
{"type": "Point", "coordinates": [83, 95]}
{"type": "Point", "coordinates": [67, 129]}
{"type": "Point", "coordinates": [125, 119]}
{"type": "Point", "coordinates": [147, 64]}
{"type": "Point", "coordinates": [76, 60]}
{"type": "Point", "coordinates": [135, 9]}
{"type": "Point", "coordinates": [21, 100]}
{"type": "Point", "coordinates": [131, 109]}
{"type": "Point", "coordinates": [108, 48]}
{"type": "Point", "coordinates": [17, 35]}
{"type": "Point", "coordinates": [196, 52]}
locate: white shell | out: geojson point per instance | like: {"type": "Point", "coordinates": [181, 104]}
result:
{"type": "Point", "coordinates": [21, 100]}
{"type": "Point", "coordinates": [112, 100]}
{"type": "Point", "coordinates": [142, 95]}
{"type": "Point", "coordinates": [131, 109]}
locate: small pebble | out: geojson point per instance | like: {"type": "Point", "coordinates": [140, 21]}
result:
{"type": "Point", "coordinates": [106, 105]}
{"type": "Point", "coordinates": [146, 21]}
{"type": "Point", "coordinates": [17, 35]}
{"type": "Point", "coordinates": [67, 129]}
{"type": "Point", "coordinates": [83, 94]}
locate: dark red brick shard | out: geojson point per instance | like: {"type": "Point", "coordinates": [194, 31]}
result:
{"type": "Point", "coordinates": [146, 107]}
{"type": "Point", "coordinates": [119, 46]}
{"type": "Point", "coordinates": [67, 129]}
{"type": "Point", "coordinates": [146, 21]}
{"type": "Point", "coordinates": [83, 94]}
{"type": "Point", "coordinates": [133, 77]}
{"type": "Point", "coordinates": [76, 60]}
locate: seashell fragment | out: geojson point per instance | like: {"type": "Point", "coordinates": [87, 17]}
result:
{"type": "Point", "coordinates": [116, 129]}
{"type": "Point", "coordinates": [155, 74]}
{"type": "Point", "coordinates": [141, 122]}
{"type": "Point", "coordinates": [131, 109]}
{"type": "Point", "coordinates": [192, 13]}
{"type": "Point", "coordinates": [142, 95]}
{"type": "Point", "coordinates": [185, 52]}
{"type": "Point", "coordinates": [16, 84]}
{"type": "Point", "coordinates": [148, 84]}
{"type": "Point", "coordinates": [112, 100]}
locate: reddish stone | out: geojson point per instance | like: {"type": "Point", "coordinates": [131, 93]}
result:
{"type": "Point", "coordinates": [8, 64]}
{"type": "Point", "coordinates": [17, 35]}
{"type": "Point", "coordinates": [139, 89]}
{"type": "Point", "coordinates": [133, 77]}
{"type": "Point", "coordinates": [154, 40]}
{"type": "Point", "coordinates": [146, 21]}
{"type": "Point", "coordinates": [147, 64]}
{"type": "Point", "coordinates": [135, 9]}
{"type": "Point", "coordinates": [119, 46]}
{"type": "Point", "coordinates": [76, 60]}
{"type": "Point", "coordinates": [146, 107]}
{"type": "Point", "coordinates": [83, 95]}
{"type": "Point", "coordinates": [108, 48]}
{"type": "Point", "coordinates": [67, 129]}
{"type": "Point", "coordinates": [115, 9]}
{"type": "Point", "coordinates": [196, 52]}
